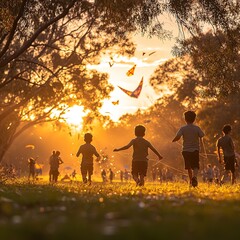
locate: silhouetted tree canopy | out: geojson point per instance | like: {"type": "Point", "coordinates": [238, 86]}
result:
{"type": "Point", "coordinates": [46, 47]}
{"type": "Point", "coordinates": [45, 50]}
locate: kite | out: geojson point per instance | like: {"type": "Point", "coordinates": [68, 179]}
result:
{"type": "Point", "coordinates": [151, 53]}
{"type": "Point", "coordinates": [136, 92]}
{"type": "Point", "coordinates": [115, 102]}
{"type": "Point", "coordinates": [30, 146]}
{"type": "Point", "coordinates": [130, 72]}
{"type": "Point", "coordinates": [68, 168]}
{"type": "Point", "coordinates": [147, 121]}
{"type": "Point", "coordinates": [112, 62]}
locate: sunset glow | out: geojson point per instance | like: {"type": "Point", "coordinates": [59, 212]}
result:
{"type": "Point", "coordinates": [74, 116]}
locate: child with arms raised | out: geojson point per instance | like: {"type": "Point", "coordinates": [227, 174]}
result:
{"type": "Point", "coordinates": [140, 153]}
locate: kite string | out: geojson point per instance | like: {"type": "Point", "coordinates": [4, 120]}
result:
{"type": "Point", "coordinates": [167, 165]}
{"type": "Point", "coordinates": [161, 162]}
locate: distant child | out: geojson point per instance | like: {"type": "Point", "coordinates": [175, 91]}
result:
{"type": "Point", "coordinates": [51, 159]}
{"type": "Point", "coordinates": [111, 175]}
{"type": "Point", "coordinates": [191, 135]}
{"type": "Point", "coordinates": [87, 150]}
{"type": "Point", "coordinates": [226, 144]}
{"type": "Point", "coordinates": [140, 153]}
{"type": "Point", "coordinates": [216, 173]}
{"type": "Point", "coordinates": [31, 164]}
{"type": "Point", "coordinates": [104, 175]}
{"type": "Point", "coordinates": [73, 174]}
{"type": "Point", "coordinates": [209, 173]}
{"type": "Point", "coordinates": [55, 161]}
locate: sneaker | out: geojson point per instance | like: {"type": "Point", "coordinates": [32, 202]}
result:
{"type": "Point", "coordinates": [194, 182]}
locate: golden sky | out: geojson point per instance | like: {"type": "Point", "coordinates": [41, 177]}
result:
{"type": "Point", "coordinates": [145, 66]}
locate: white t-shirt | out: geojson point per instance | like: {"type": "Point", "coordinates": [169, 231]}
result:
{"type": "Point", "coordinates": [191, 134]}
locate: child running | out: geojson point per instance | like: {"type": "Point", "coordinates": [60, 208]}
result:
{"type": "Point", "coordinates": [140, 153]}
{"type": "Point", "coordinates": [87, 150]}
{"type": "Point", "coordinates": [226, 144]}
{"type": "Point", "coordinates": [191, 135]}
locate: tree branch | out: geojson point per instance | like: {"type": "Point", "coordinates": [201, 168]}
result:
{"type": "Point", "coordinates": [35, 35]}
{"type": "Point", "coordinates": [12, 32]}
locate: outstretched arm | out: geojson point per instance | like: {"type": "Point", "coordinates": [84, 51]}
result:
{"type": "Point", "coordinates": [155, 151]}
{"type": "Point", "coordinates": [98, 158]}
{"type": "Point", "coordinates": [178, 135]}
{"type": "Point", "coordinates": [176, 138]}
{"type": "Point", "coordinates": [78, 152]}
{"type": "Point", "coordinates": [123, 148]}
{"type": "Point", "coordinates": [219, 154]}
{"type": "Point", "coordinates": [97, 155]}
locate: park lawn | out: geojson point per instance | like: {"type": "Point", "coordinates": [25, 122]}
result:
{"type": "Point", "coordinates": [118, 211]}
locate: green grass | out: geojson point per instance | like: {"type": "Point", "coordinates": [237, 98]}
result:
{"type": "Point", "coordinates": [118, 211]}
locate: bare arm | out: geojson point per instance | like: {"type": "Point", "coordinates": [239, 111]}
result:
{"type": "Point", "coordinates": [176, 138]}
{"type": "Point", "coordinates": [219, 154]}
{"type": "Point", "coordinates": [98, 158]}
{"type": "Point", "coordinates": [60, 161]}
{"type": "Point", "coordinates": [123, 148]}
{"type": "Point", "coordinates": [155, 151]}
{"type": "Point", "coordinates": [78, 152]}
{"type": "Point", "coordinates": [201, 144]}
{"type": "Point", "coordinates": [97, 155]}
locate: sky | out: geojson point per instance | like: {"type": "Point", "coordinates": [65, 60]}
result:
{"type": "Point", "coordinates": [145, 66]}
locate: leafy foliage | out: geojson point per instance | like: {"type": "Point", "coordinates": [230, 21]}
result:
{"type": "Point", "coordinates": [216, 60]}
{"type": "Point", "coordinates": [45, 54]}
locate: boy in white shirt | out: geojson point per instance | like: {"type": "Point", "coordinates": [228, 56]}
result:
{"type": "Point", "coordinates": [191, 135]}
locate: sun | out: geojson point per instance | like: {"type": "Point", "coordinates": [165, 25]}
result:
{"type": "Point", "coordinates": [74, 116]}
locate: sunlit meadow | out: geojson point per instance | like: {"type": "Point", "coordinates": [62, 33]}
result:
{"type": "Point", "coordinates": [72, 210]}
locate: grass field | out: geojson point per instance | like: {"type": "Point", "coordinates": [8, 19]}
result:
{"type": "Point", "coordinates": [118, 211]}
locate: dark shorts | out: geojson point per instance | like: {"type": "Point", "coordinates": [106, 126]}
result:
{"type": "Point", "coordinates": [191, 159]}
{"type": "Point", "coordinates": [229, 163]}
{"type": "Point", "coordinates": [86, 168]}
{"type": "Point", "coordinates": [139, 168]}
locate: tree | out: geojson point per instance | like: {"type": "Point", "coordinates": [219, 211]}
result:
{"type": "Point", "coordinates": [182, 82]}
{"type": "Point", "coordinates": [195, 16]}
{"type": "Point", "coordinates": [178, 80]}
{"type": "Point", "coordinates": [216, 60]}
{"type": "Point", "coordinates": [215, 114]}
{"type": "Point", "coordinates": [45, 53]}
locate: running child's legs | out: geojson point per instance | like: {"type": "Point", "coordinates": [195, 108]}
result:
{"type": "Point", "coordinates": [139, 171]}
{"type": "Point", "coordinates": [191, 160]}
{"type": "Point", "coordinates": [190, 175]}
{"type": "Point", "coordinates": [89, 176]}
{"type": "Point", "coordinates": [229, 165]}
{"type": "Point", "coordinates": [90, 172]}
{"type": "Point", "coordinates": [195, 172]}
{"type": "Point", "coordinates": [86, 171]}
{"type": "Point", "coordinates": [226, 174]}
{"type": "Point", "coordinates": [233, 177]}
